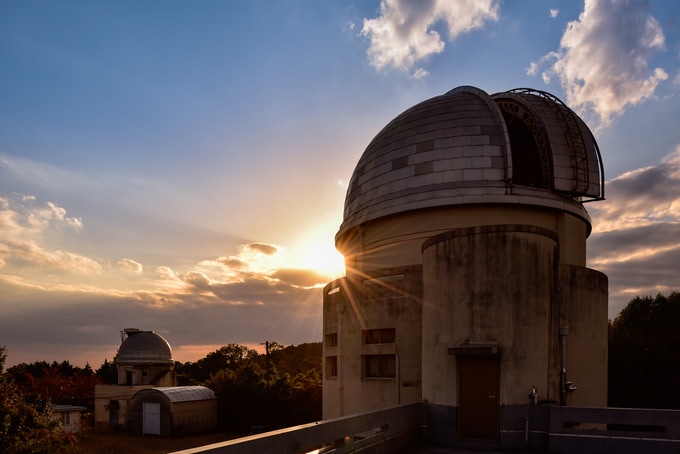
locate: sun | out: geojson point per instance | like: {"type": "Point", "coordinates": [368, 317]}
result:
{"type": "Point", "coordinates": [317, 252]}
{"type": "Point", "coordinates": [323, 258]}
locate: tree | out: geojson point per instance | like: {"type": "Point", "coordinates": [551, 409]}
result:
{"type": "Point", "coordinates": [59, 383]}
{"type": "Point", "coordinates": [228, 357]}
{"type": "Point", "coordinates": [27, 424]}
{"type": "Point", "coordinates": [644, 359]}
{"type": "Point", "coordinates": [3, 357]}
{"type": "Point", "coordinates": [108, 372]}
{"type": "Point", "coordinates": [281, 390]}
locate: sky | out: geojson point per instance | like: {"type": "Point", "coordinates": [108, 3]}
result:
{"type": "Point", "coordinates": [182, 166]}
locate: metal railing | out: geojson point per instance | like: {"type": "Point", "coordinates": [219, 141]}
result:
{"type": "Point", "coordinates": [616, 430]}
{"type": "Point", "coordinates": [395, 428]}
{"type": "Point", "coordinates": [405, 428]}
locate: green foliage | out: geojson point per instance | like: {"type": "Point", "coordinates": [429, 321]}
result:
{"type": "Point", "coordinates": [276, 390]}
{"type": "Point", "coordinates": [644, 359]}
{"type": "Point", "coordinates": [299, 359]}
{"type": "Point", "coordinates": [108, 372]}
{"type": "Point", "coordinates": [228, 357]}
{"type": "Point", "coordinates": [27, 424]}
{"type": "Point", "coordinates": [3, 357]}
{"type": "Point", "coordinates": [248, 396]}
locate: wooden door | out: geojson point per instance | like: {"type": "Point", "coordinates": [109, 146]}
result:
{"type": "Point", "coordinates": [478, 378]}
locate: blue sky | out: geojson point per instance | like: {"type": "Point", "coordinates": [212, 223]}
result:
{"type": "Point", "coordinates": [182, 166]}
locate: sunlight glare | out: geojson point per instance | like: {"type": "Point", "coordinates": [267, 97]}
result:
{"type": "Point", "coordinates": [318, 252]}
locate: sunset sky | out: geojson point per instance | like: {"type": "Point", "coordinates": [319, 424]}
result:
{"type": "Point", "coordinates": [182, 166]}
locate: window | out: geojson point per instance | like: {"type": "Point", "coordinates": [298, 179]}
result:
{"type": "Point", "coordinates": [332, 340]}
{"type": "Point", "coordinates": [379, 336]}
{"type": "Point", "coordinates": [331, 366]}
{"type": "Point", "coordinates": [66, 418]}
{"type": "Point", "coordinates": [379, 366]}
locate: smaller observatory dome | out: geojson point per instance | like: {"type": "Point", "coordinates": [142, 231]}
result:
{"type": "Point", "coordinates": [143, 347]}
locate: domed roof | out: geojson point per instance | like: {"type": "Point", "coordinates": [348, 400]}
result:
{"type": "Point", "coordinates": [467, 147]}
{"type": "Point", "coordinates": [144, 347]}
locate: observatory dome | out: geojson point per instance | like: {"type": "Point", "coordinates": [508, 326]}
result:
{"type": "Point", "coordinates": [144, 347]}
{"type": "Point", "coordinates": [521, 146]}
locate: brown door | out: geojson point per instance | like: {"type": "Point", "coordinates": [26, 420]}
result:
{"type": "Point", "coordinates": [478, 398]}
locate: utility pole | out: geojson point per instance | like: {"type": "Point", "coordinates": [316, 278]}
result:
{"type": "Point", "coordinates": [266, 350]}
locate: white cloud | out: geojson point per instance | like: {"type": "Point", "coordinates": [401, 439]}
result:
{"type": "Point", "coordinates": [403, 33]}
{"type": "Point", "coordinates": [554, 12]}
{"type": "Point", "coordinates": [419, 74]}
{"type": "Point", "coordinates": [130, 266]}
{"type": "Point", "coordinates": [603, 60]}
{"type": "Point", "coordinates": [28, 227]}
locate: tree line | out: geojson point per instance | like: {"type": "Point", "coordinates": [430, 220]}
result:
{"type": "Point", "coordinates": [644, 353]}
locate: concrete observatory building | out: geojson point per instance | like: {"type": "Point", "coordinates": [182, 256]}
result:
{"type": "Point", "coordinates": [464, 237]}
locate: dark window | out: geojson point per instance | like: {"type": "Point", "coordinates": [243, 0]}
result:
{"type": "Point", "coordinates": [379, 336]}
{"type": "Point", "coordinates": [526, 157]}
{"type": "Point", "coordinates": [128, 377]}
{"type": "Point", "coordinates": [400, 163]}
{"type": "Point", "coordinates": [331, 366]}
{"type": "Point", "coordinates": [379, 366]}
{"type": "Point", "coordinates": [425, 146]}
{"type": "Point", "coordinates": [332, 340]}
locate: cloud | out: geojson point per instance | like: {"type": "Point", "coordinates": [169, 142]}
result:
{"type": "Point", "coordinates": [28, 230]}
{"type": "Point", "coordinates": [403, 34]}
{"type": "Point", "coordinates": [636, 232]}
{"type": "Point", "coordinates": [554, 12]}
{"type": "Point", "coordinates": [228, 299]}
{"type": "Point", "coordinates": [301, 278]}
{"type": "Point", "coordinates": [603, 59]}
{"type": "Point", "coordinates": [261, 248]}
{"type": "Point", "coordinates": [419, 74]}
{"type": "Point", "coordinates": [130, 266]}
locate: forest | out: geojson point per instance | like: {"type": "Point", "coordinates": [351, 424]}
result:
{"type": "Point", "coordinates": [283, 386]}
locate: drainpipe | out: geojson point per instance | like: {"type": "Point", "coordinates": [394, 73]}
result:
{"type": "Point", "coordinates": [398, 366]}
{"type": "Point", "coordinates": [565, 385]}
{"type": "Point", "coordinates": [340, 308]}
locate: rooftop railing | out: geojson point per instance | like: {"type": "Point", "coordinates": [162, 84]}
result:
{"type": "Point", "coordinates": [405, 428]}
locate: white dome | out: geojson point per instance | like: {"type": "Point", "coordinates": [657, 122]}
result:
{"type": "Point", "coordinates": [144, 347]}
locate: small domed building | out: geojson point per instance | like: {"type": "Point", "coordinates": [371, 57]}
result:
{"type": "Point", "coordinates": [464, 237]}
{"type": "Point", "coordinates": [144, 360]}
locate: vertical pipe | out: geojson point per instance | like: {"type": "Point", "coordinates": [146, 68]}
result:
{"type": "Point", "coordinates": [563, 373]}
{"type": "Point", "coordinates": [340, 308]}
{"type": "Point", "coordinates": [526, 429]}
{"type": "Point", "coordinates": [398, 371]}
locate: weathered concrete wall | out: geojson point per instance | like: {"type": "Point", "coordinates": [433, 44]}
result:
{"type": "Point", "coordinates": [583, 300]}
{"type": "Point", "coordinates": [389, 299]}
{"type": "Point", "coordinates": [489, 285]}
{"type": "Point", "coordinates": [120, 395]}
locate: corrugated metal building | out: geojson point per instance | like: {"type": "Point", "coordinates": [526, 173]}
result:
{"type": "Point", "coordinates": [172, 411]}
